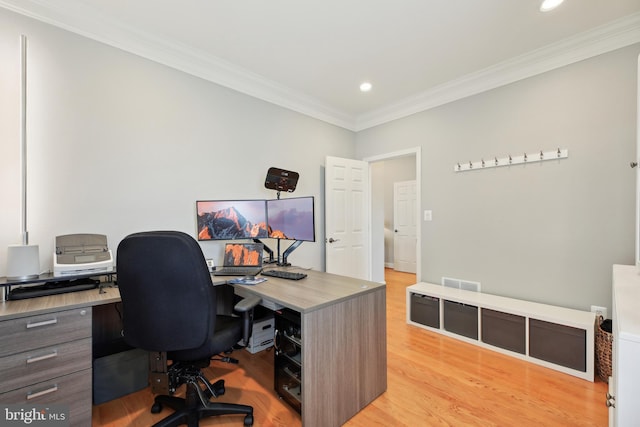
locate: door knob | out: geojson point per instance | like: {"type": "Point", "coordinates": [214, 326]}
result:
{"type": "Point", "coordinates": [332, 240]}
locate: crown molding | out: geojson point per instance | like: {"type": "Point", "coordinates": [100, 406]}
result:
{"type": "Point", "coordinates": [84, 21]}
{"type": "Point", "coordinates": [603, 39]}
{"type": "Point", "coordinates": [79, 19]}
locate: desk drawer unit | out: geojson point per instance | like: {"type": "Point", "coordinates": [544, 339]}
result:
{"type": "Point", "coordinates": [26, 333]}
{"type": "Point", "coordinates": [72, 391]}
{"type": "Point", "coordinates": [42, 364]}
{"type": "Point", "coordinates": [46, 359]}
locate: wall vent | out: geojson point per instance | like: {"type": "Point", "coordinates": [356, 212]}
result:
{"type": "Point", "coordinates": [461, 284]}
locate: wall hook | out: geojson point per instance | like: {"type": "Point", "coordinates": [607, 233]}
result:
{"type": "Point", "coordinates": [526, 157]}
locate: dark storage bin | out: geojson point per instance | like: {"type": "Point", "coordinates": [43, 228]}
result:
{"type": "Point", "coordinates": [559, 344]}
{"type": "Point", "coordinates": [503, 330]}
{"type": "Point", "coordinates": [425, 310]}
{"type": "Point", "coordinates": [119, 374]}
{"type": "Point", "coordinates": [461, 319]}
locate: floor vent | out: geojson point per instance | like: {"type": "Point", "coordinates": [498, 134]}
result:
{"type": "Point", "coordinates": [461, 284]}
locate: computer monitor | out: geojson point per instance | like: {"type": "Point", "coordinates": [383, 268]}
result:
{"type": "Point", "coordinates": [292, 219]}
{"type": "Point", "coordinates": [231, 219]}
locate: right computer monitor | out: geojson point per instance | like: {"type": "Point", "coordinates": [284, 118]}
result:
{"type": "Point", "coordinates": [292, 219]}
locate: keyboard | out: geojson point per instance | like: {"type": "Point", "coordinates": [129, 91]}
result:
{"type": "Point", "coordinates": [237, 271]}
{"type": "Point", "coordinates": [289, 275]}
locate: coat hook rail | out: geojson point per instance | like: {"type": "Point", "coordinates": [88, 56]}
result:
{"type": "Point", "coordinates": [510, 160]}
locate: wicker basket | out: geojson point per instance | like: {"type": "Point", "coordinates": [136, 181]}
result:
{"type": "Point", "coordinates": [604, 341]}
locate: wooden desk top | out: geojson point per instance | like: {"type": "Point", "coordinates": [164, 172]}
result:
{"type": "Point", "coordinates": [49, 303]}
{"type": "Point", "coordinates": [317, 290]}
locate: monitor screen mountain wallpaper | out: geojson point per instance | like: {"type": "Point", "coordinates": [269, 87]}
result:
{"type": "Point", "coordinates": [227, 224]}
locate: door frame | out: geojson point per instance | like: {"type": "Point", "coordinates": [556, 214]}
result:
{"type": "Point", "coordinates": [417, 152]}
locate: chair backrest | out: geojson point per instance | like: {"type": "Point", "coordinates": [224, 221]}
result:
{"type": "Point", "coordinates": [168, 300]}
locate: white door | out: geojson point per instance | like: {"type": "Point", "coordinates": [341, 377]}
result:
{"type": "Point", "coordinates": [347, 217]}
{"type": "Point", "coordinates": [404, 226]}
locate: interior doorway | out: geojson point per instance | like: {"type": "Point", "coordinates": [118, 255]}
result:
{"type": "Point", "coordinates": [384, 171]}
{"type": "Point", "coordinates": [404, 226]}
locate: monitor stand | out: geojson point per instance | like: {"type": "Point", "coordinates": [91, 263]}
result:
{"type": "Point", "coordinates": [287, 252]}
{"type": "Point", "coordinates": [280, 261]}
{"type": "Point", "coordinates": [268, 250]}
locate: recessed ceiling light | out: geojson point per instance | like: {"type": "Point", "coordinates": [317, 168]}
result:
{"type": "Point", "coordinates": [365, 87]}
{"type": "Point", "coordinates": [548, 5]}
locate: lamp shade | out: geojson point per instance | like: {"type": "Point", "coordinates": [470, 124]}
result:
{"type": "Point", "coordinates": [23, 262]}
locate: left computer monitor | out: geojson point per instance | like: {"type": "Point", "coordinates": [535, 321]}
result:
{"type": "Point", "coordinates": [231, 219]}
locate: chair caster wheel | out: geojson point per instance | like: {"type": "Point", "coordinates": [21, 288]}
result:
{"type": "Point", "coordinates": [248, 420]}
{"type": "Point", "coordinates": [218, 388]}
{"type": "Point", "coordinates": [156, 408]}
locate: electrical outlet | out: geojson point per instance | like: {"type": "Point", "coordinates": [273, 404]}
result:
{"type": "Point", "coordinates": [600, 311]}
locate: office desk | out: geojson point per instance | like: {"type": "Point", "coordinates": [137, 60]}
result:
{"type": "Point", "coordinates": [344, 341]}
{"type": "Point", "coordinates": [344, 355]}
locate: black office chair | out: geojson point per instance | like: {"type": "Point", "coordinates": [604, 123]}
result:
{"type": "Point", "coordinates": [169, 308]}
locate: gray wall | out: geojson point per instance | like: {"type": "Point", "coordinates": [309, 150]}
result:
{"type": "Point", "coordinates": [119, 144]}
{"type": "Point", "coordinates": [546, 232]}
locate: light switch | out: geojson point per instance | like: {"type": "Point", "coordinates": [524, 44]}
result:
{"type": "Point", "coordinates": [428, 215]}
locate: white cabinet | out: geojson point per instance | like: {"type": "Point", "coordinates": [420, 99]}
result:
{"type": "Point", "coordinates": [624, 389]}
{"type": "Point", "coordinates": [555, 337]}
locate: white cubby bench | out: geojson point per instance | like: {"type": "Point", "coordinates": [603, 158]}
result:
{"type": "Point", "coordinates": [555, 337]}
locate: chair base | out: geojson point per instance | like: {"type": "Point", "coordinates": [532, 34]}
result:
{"type": "Point", "coordinates": [191, 410]}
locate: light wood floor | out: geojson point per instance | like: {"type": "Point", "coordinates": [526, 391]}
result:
{"type": "Point", "coordinates": [432, 381]}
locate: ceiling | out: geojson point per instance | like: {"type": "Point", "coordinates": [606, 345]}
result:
{"type": "Point", "coordinates": [311, 56]}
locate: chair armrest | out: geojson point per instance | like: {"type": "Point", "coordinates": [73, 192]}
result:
{"type": "Point", "coordinates": [245, 308]}
{"type": "Point", "coordinates": [247, 304]}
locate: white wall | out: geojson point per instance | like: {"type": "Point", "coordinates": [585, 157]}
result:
{"type": "Point", "coordinates": [546, 232]}
{"type": "Point", "coordinates": [119, 144]}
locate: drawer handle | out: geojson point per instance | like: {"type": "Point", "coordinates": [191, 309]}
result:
{"type": "Point", "coordinates": [52, 389]}
{"type": "Point", "coordinates": [54, 353]}
{"type": "Point", "coordinates": [43, 323]}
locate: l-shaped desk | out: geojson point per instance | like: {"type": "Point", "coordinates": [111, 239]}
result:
{"type": "Point", "coordinates": [46, 355]}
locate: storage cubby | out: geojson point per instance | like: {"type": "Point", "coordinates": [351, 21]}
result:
{"type": "Point", "coordinates": [288, 358]}
{"type": "Point", "coordinates": [559, 344]}
{"type": "Point", "coordinates": [504, 330]}
{"type": "Point", "coordinates": [425, 310]}
{"type": "Point", "coordinates": [461, 319]}
{"type": "Point", "coordinates": [556, 337]}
